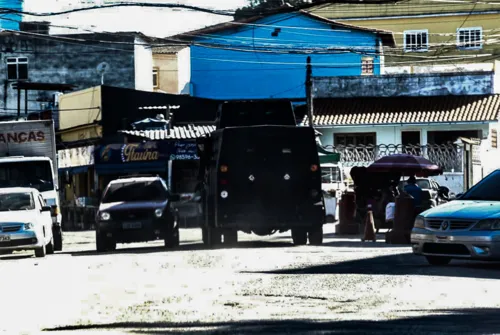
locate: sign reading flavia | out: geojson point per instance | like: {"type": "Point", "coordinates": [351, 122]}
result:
{"type": "Point", "coordinates": [22, 137]}
{"type": "Point", "coordinates": [137, 153]}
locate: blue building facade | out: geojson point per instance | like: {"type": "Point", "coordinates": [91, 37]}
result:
{"type": "Point", "coordinates": [265, 58]}
{"type": "Point", "coordinates": [8, 21]}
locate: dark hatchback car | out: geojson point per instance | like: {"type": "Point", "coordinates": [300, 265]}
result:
{"type": "Point", "coordinates": [136, 210]}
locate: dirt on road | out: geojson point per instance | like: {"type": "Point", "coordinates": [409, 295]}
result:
{"type": "Point", "coordinates": [265, 285]}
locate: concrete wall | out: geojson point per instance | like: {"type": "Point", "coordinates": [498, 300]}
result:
{"type": "Point", "coordinates": [184, 74]}
{"type": "Point", "coordinates": [392, 134]}
{"type": "Point", "coordinates": [404, 85]}
{"type": "Point", "coordinates": [143, 64]}
{"type": "Point", "coordinates": [247, 70]}
{"type": "Point", "coordinates": [65, 62]}
{"type": "Point", "coordinates": [71, 107]}
{"type": "Point", "coordinates": [168, 72]}
{"type": "Point", "coordinates": [440, 19]}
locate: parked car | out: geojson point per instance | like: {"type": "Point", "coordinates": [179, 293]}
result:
{"type": "Point", "coordinates": [136, 209]}
{"type": "Point", "coordinates": [439, 194]}
{"type": "Point", "coordinates": [25, 222]}
{"type": "Point", "coordinates": [465, 228]}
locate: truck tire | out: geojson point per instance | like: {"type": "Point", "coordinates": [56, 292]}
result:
{"type": "Point", "coordinates": [58, 238]}
{"type": "Point", "coordinates": [213, 237]}
{"type": "Point", "coordinates": [299, 236]}
{"type": "Point", "coordinates": [316, 235]}
{"type": "Point", "coordinates": [230, 237]}
{"type": "Point", "coordinates": [172, 239]}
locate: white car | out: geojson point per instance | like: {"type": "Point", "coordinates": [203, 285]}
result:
{"type": "Point", "coordinates": [25, 222]}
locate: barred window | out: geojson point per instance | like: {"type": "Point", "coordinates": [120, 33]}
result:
{"type": "Point", "coordinates": [367, 65]}
{"type": "Point", "coordinates": [470, 38]}
{"type": "Point", "coordinates": [416, 40]}
{"type": "Point", "coordinates": [494, 138]}
{"type": "Point", "coordinates": [17, 68]}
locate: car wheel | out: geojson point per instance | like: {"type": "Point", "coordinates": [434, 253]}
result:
{"type": "Point", "coordinates": [49, 248]}
{"type": "Point", "coordinates": [172, 239]}
{"type": "Point", "coordinates": [104, 243]}
{"type": "Point", "coordinates": [58, 238]}
{"type": "Point", "coordinates": [438, 260]}
{"type": "Point", "coordinates": [299, 236]}
{"type": "Point", "coordinates": [316, 235]}
{"type": "Point", "coordinates": [230, 237]}
{"type": "Point", "coordinates": [40, 252]}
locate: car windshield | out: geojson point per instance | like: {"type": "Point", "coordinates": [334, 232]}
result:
{"type": "Point", "coordinates": [423, 184]}
{"type": "Point", "coordinates": [16, 202]}
{"type": "Point", "coordinates": [35, 174]}
{"type": "Point", "coordinates": [486, 189]}
{"type": "Point", "coordinates": [135, 192]}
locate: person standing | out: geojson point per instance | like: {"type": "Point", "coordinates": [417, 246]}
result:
{"type": "Point", "coordinates": [414, 190]}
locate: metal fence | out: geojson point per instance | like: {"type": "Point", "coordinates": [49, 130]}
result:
{"type": "Point", "coordinates": [447, 156]}
{"type": "Point", "coordinates": [77, 218]}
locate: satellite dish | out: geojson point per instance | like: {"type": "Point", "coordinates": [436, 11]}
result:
{"type": "Point", "coordinates": [103, 68]}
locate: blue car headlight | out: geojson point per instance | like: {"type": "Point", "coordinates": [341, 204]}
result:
{"type": "Point", "coordinates": [419, 222]}
{"type": "Point", "coordinates": [488, 224]}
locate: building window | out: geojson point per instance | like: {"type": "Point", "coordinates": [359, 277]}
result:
{"type": "Point", "coordinates": [470, 38]}
{"type": "Point", "coordinates": [156, 77]}
{"type": "Point", "coordinates": [494, 138]}
{"type": "Point", "coordinates": [367, 65]}
{"type": "Point", "coordinates": [17, 68]}
{"type": "Point", "coordinates": [355, 139]}
{"type": "Point", "coordinates": [416, 40]}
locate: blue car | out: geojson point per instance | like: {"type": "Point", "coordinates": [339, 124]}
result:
{"type": "Point", "coordinates": [465, 228]}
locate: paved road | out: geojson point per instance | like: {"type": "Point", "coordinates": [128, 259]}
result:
{"type": "Point", "coordinates": [265, 286]}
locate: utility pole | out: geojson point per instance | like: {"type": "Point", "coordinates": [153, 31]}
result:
{"type": "Point", "coordinates": [309, 92]}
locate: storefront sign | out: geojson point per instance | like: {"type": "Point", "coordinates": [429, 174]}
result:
{"type": "Point", "coordinates": [154, 151]}
{"type": "Point", "coordinates": [132, 152]}
{"type": "Point", "coordinates": [184, 151]}
{"type": "Point", "coordinates": [75, 157]}
{"type": "Point", "coordinates": [22, 137]}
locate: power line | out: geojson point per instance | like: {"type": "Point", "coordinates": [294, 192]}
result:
{"type": "Point", "coordinates": [4, 10]}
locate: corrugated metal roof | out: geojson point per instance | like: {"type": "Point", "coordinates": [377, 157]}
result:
{"type": "Point", "coordinates": [169, 50]}
{"type": "Point", "coordinates": [406, 110]}
{"type": "Point", "coordinates": [175, 133]}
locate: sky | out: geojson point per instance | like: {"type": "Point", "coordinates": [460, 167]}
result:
{"type": "Point", "coordinates": [157, 22]}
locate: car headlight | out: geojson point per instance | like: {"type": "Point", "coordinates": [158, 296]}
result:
{"type": "Point", "coordinates": [488, 224]}
{"type": "Point", "coordinates": [105, 216]}
{"type": "Point", "coordinates": [159, 213]}
{"type": "Point", "coordinates": [29, 226]}
{"type": "Point", "coordinates": [419, 222]}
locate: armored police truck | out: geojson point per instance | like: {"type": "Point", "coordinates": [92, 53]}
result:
{"type": "Point", "coordinates": [260, 174]}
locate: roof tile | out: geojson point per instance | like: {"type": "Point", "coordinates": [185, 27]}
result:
{"type": "Point", "coordinates": [435, 109]}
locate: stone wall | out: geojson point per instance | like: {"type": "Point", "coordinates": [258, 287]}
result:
{"type": "Point", "coordinates": [69, 60]}
{"type": "Point", "coordinates": [433, 84]}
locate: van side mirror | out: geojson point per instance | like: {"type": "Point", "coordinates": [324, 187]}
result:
{"type": "Point", "coordinates": [46, 209]}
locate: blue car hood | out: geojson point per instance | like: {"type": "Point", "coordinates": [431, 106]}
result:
{"type": "Point", "coordinates": [465, 209]}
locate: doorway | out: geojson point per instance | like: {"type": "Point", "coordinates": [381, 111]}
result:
{"type": "Point", "coordinates": [411, 142]}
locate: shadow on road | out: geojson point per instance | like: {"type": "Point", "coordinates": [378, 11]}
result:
{"type": "Point", "coordinates": [182, 247]}
{"type": "Point", "coordinates": [353, 241]}
{"type": "Point", "coordinates": [16, 257]}
{"type": "Point", "coordinates": [400, 264]}
{"type": "Point", "coordinates": [465, 321]}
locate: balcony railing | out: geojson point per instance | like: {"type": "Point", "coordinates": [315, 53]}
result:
{"type": "Point", "coordinates": [447, 156]}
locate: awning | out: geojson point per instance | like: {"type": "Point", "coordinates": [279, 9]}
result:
{"type": "Point", "coordinates": [137, 167]}
{"type": "Point", "coordinates": [327, 156]}
{"type": "Point", "coordinates": [76, 169]}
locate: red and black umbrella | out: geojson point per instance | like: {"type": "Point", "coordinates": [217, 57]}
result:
{"type": "Point", "coordinates": [407, 165]}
